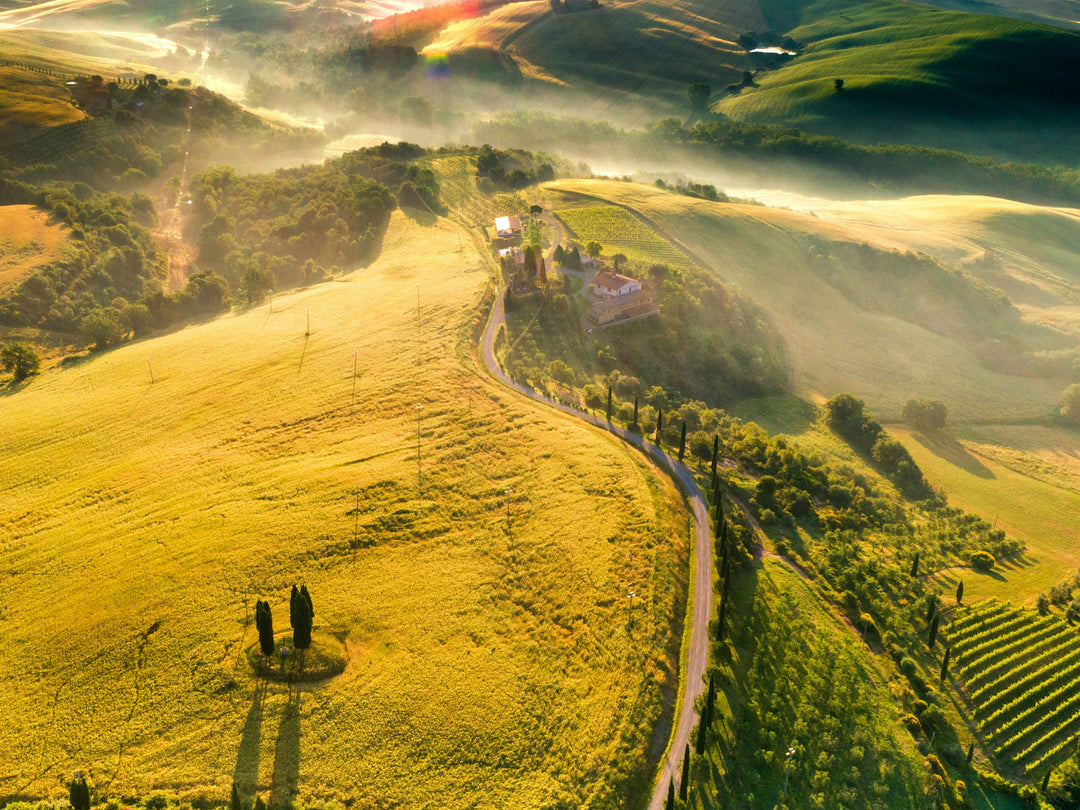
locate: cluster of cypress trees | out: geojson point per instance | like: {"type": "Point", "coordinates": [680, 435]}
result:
{"type": "Point", "coordinates": [301, 617]}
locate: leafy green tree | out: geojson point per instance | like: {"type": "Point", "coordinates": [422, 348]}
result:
{"type": "Point", "coordinates": [20, 359]}
{"type": "Point", "coordinates": [699, 93]}
{"type": "Point", "coordinates": [101, 330]}
{"type": "Point", "coordinates": [982, 560]}
{"type": "Point", "coordinates": [594, 249]}
{"type": "Point", "coordinates": [925, 414]}
{"type": "Point", "coordinates": [1070, 402]}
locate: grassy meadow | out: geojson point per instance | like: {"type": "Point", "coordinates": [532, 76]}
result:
{"type": "Point", "coordinates": [487, 664]}
{"type": "Point", "coordinates": [917, 74]}
{"type": "Point", "coordinates": [27, 240]}
{"type": "Point", "coordinates": [110, 53]}
{"type": "Point", "coordinates": [31, 102]}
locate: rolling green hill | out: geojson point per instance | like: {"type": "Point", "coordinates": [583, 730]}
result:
{"type": "Point", "coordinates": [152, 493]}
{"type": "Point", "coordinates": [916, 74]}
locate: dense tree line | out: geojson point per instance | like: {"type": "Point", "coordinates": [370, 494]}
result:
{"type": "Point", "coordinates": [290, 227]}
{"type": "Point", "coordinates": [136, 132]}
{"type": "Point", "coordinates": [510, 169]}
{"type": "Point", "coordinates": [109, 284]}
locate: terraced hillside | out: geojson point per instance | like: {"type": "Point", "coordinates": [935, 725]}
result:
{"type": "Point", "coordinates": [1021, 672]}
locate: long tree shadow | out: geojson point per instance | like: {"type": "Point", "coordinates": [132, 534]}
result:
{"type": "Point", "coordinates": [285, 781]}
{"type": "Point", "coordinates": [246, 772]}
{"type": "Point", "coordinates": [949, 449]}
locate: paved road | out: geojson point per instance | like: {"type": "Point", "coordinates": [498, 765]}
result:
{"type": "Point", "coordinates": [694, 674]}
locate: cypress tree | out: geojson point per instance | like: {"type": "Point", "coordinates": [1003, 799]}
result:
{"type": "Point", "coordinates": [682, 442]}
{"type": "Point", "coordinates": [302, 628]}
{"type": "Point", "coordinates": [307, 598]}
{"type": "Point", "coordinates": [294, 606]}
{"type": "Point", "coordinates": [970, 753]}
{"type": "Point", "coordinates": [699, 744]}
{"type": "Point", "coordinates": [79, 793]}
{"type": "Point", "coordinates": [234, 801]}
{"type": "Point", "coordinates": [609, 403]}
{"type": "Point", "coordinates": [259, 803]}
{"type": "Point", "coordinates": [915, 566]}
{"type": "Point", "coordinates": [945, 666]}
{"type": "Point", "coordinates": [931, 607]}
{"type": "Point", "coordinates": [684, 784]}
{"type": "Point", "coordinates": [670, 805]}
{"type": "Point", "coordinates": [960, 592]}
{"type": "Point", "coordinates": [710, 700]}
{"type": "Point", "coordinates": [933, 632]}
{"type": "Point", "coordinates": [659, 424]}
{"type": "Point", "coordinates": [635, 410]}
{"type": "Point", "coordinates": [1046, 781]}
{"type": "Point", "coordinates": [264, 621]}
{"type": "Point", "coordinates": [715, 452]}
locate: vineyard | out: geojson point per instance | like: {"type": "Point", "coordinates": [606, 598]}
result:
{"type": "Point", "coordinates": [619, 231]}
{"type": "Point", "coordinates": [457, 187]}
{"type": "Point", "coordinates": [1021, 672]}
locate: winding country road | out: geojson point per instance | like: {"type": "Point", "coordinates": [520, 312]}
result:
{"type": "Point", "coordinates": [694, 673]}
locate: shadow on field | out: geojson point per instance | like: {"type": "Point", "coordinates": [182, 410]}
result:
{"type": "Point", "coordinates": [246, 772]}
{"type": "Point", "coordinates": [950, 450]}
{"type": "Point", "coordinates": [286, 778]}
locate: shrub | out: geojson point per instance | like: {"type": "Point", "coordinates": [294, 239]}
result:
{"type": "Point", "coordinates": [982, 560]}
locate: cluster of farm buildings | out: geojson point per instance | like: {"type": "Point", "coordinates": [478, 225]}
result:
{"type": "Point", "coordinates": [616, 297]}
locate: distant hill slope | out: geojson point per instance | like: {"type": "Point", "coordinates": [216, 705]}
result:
{"type": "Point", "coordinates": [916, 74]}
{"type": "Point", "coordinates": [650, 48]}
{"type": "Point", "coordinates": [30, 103]}
{"type": "Point", "coordinates": [859, 313]}
{"type": "Point", "coordinates": [1059, 13]}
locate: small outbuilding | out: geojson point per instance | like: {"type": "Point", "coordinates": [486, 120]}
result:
{"type": "Point", "coordinates": [507, 227]}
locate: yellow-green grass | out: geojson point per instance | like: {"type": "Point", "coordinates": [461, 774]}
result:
{"type": "Point", "coordinates": [30, 102]}
{"type": "Point", "coordinates": [109, 53]}
{"type": "Point", "coordinates": [27, 240]}
{"type": "Point", "coordinates": [909, 69]}
{"type": "Point", "coordinates": [486, 667]}
{"type": "Point", "coordinates": [619, 231]}
{"type": "Point", "coordinates": [831, 661]}
{"type": "Point", "coordinates": [1045, 516]}
{"type": "Point", "coordinates": [834, 343]}
{"type": "Point", "coordinates": [600, 51]}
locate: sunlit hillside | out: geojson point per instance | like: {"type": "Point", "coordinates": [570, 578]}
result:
{"type": "Point", "coordinates": [468, 555]}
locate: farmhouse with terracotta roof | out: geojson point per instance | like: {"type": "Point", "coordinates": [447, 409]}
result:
{"type": "Point", "coordinates": [612, 285]}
